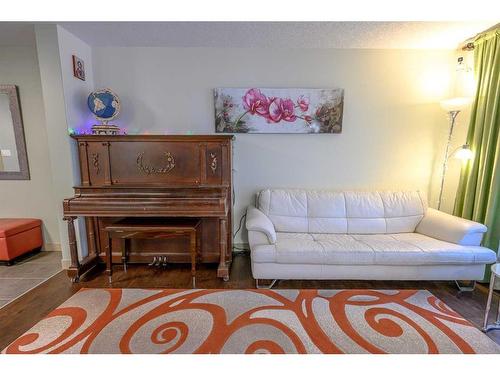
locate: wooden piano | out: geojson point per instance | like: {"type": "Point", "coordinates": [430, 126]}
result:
{"type": "Point", "coordinates": [172, 176]}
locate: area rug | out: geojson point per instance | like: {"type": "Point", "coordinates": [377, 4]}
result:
{"type": "Point", "coordinates": [253, 321]}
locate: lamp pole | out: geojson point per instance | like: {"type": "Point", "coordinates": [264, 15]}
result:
{"type": "Point", "coordinates": [452, 115]}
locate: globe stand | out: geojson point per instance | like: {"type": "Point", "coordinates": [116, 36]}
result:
{"type": "Point", "coordinates": [105, 129]}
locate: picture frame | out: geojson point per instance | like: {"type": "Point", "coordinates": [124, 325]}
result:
{"type": "Point", "coordinates": [78, 68]}
{"type": "Point", "coordinates": [279, 110]}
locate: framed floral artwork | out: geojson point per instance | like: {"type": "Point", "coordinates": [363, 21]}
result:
{"type": "Point", "coordinates": [267, 110]}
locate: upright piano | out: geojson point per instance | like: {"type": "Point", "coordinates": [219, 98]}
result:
{"type": "Point", "coordinates": [174, 176]}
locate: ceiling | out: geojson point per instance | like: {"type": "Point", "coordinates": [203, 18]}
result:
{"type": "Point", "coordinates": [398, 35]}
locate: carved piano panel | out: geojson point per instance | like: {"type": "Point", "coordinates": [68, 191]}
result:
{"type": "Point", "coordinates": [154, 176]}
{"type": "Point", "coordinates": [213, 164]}
{"type": "Point", "coordinates": [97, 162]}
{"type": "Point", "coordinates": [172, 163]}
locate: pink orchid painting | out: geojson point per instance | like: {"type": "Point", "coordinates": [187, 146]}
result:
{"type": "Point", "coordinates": [262, 110]}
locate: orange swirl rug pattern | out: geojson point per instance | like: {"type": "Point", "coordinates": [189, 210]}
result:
{"type": "Point", "coordinates": [253, 321]}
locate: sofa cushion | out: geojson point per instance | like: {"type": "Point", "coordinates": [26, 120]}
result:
{"type": "Point", "coordinates": [287, 210]}
{"type": "Point", "coordinates": [382, 249]}
{"type": "Point", "coordinates": [321, 211]}
{"type": "Point", "coordinates": [264, 253]}
{"type": "Point", "coordinates": [446, 252]}
{"type": "Point", "coordinates": [294, 249]}
{"type": "Point", "coordinates": [344, 249]}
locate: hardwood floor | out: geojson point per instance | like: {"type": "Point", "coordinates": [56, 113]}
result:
{"type": "Point", "coordinates": [21, 314]}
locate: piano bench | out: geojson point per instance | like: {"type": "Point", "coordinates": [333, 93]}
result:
{"type": "Point", "coordinates": [143, 228]}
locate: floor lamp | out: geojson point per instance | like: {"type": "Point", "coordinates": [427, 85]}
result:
{"type": "Point", "coordinates": [453, 107]}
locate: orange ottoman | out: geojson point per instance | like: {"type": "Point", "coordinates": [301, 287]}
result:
{"type": "Point", "coordinates": [18, 237]}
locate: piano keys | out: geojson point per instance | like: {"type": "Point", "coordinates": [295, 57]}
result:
{"type": "Point", "coordinates": [164, 176]}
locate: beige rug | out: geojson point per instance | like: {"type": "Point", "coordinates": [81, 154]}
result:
{"type": "Point", "coordinates": [253, 321]}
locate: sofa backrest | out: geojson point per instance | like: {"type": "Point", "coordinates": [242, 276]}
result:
{"type": "Point", "coordinates": [350, 212]}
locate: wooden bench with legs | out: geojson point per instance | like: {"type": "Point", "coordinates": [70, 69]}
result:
{"type": "Point", "coordinates": [141, 228]}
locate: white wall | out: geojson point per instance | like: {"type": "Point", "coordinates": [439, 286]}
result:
{"type": "Point", "coordinates": [64, 108]}
{"type": "Point", "coordinates": [76, 91]}
{"type": "Point", "coordinates": [392, 120]}
{"type": "Point", "coordinates": [78, 115]}
{"type": "Point", "coordinates": [30, 198]}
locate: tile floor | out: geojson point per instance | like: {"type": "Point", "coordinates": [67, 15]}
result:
{"type": "Point", "coordinates": [27, 273]}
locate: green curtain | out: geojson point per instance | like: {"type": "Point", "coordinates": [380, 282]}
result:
{"type": "Point", "coordinates": [478, 196]}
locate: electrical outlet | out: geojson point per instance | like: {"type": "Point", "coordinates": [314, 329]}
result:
{"type": "Point", "coordinates": [6, 153]}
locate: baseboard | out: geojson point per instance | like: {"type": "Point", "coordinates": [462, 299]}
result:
{"type": "Point", "coordinates": [52, 247]}
{"type": "Point", "coordinates": [237, 248]}
{"type": "Point", "coordinates": [241, 248]}
{"type": "Point", "coordinates": [65, 263]}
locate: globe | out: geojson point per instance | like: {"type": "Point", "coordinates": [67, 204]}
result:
{"type": "Point", "coordinates": [104, 104]}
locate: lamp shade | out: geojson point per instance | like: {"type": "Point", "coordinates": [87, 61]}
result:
{"type": "Point", "coordinates": [455, 104]}
{"type": "Point", "coordinates": [464, 153]}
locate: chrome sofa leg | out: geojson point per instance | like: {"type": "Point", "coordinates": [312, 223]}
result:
{"type": "Point", "coordinates": [258, 286]}
{"type": "Point", "coordinates": [466, 288]}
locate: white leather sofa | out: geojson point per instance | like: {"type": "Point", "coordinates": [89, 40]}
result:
{"type": "Point", "coordinates": [317, 234]}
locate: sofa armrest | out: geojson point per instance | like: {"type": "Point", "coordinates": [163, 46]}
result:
{"type": "Point", "coordinates": [258, 221]}
{"type": "Point", "coordinates": [451, 228]}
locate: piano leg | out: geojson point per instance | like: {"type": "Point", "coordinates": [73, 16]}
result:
{"type": "Point", "coordinates": [223, 269]}
{"type": "Point", "coordinates": [193, 252]}
{"type": "Point", "coordinates": [109, 260]}
{"type": "Point", "coordinates": [125, 251]}
{"type": "Point", "coordinates": [90, 225]}
{"type": "Point", "coordinates": [73, 250]}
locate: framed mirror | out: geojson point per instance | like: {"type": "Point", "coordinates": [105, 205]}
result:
{"type": "Point", "coordinates": [13, 156]}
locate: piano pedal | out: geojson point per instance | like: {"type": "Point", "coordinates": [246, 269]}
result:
{"type": "Point", "coordinates": [153, 263]}
{"type": "Point", "coordinates": [164, 264]}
